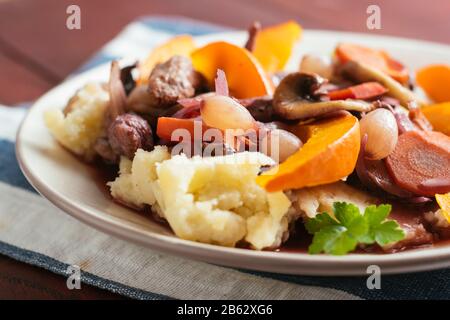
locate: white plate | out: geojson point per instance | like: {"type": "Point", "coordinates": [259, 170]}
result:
{"type": "Point", "coordinates": [69, 183]}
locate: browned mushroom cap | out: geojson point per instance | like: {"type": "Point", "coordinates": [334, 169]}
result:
{"type": "Point", "coordinates": [297, 97]}
{"type": "Point", "coordinates": [363, 73]}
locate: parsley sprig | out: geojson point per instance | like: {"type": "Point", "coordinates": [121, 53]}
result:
{"type": "Point", "coordinates": [348, 228]}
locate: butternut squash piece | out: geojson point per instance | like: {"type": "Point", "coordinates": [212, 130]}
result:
{"type": "Point", "coordinates": [246, 78]}
{"type": "Point", "coordinates": [329, 155]}
{"type": "Point", "coordinates": [435, 81]}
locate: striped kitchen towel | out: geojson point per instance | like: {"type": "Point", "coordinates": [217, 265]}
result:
{"type": "Point", "coordinates": [35, 232]}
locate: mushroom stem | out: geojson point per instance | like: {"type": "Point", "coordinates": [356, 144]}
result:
{"type": "Point", "coordinates": [300, 110]}
{"type": "Point", "coordinates": [363, 73]}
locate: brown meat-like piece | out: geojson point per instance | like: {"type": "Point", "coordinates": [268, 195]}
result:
{"type": "Point", "coordinates": [129, 132]}
{"type": "Point", "coordinates": [260, 108]}
{"type": "Point", "coordinates": [173, 80]}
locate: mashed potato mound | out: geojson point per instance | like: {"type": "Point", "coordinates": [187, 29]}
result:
{"type": "Point", "coordinates": [211, 200]}
{"type": "Point", "coordinates": [80, 128]}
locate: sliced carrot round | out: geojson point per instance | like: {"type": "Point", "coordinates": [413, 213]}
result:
{"type": "Point", "coordinates": [378, 59]}
{"type": "Point", "coordinates": [418, 157]}
{"type": "Point", "coordinates": [435, 81]}
{"type": "Point", "coordinates": [353, 52]}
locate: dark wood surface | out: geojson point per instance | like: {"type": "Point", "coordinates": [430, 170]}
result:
{"type": "Point", "coordinates": [37, 52]}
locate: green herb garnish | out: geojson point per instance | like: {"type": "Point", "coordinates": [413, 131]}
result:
{"type": "Point", "coordinates": [349, 228]}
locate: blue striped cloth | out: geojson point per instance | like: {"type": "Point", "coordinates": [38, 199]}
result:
{"type": "Point", "coordinates": [29, 228]}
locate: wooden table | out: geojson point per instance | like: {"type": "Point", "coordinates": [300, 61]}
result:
{"type": "Point", "coordinates": [37, 52]}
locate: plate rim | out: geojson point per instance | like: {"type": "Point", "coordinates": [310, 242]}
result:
{"type": "Point", "coordinates": [353, 264]}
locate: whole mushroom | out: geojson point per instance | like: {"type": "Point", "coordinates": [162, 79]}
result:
{"type": "Point", "coordinates": [298, 96]}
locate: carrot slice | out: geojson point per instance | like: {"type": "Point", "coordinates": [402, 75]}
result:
{"type": "Point", "coordinates": [166, 127]}
{"type": "Point", "coordinates": [375, 58]}
{"type": "Point", "coordinates": [362, 91]}
{"type": "Point", "coordinates": [418, 157]}
{"type": "Point", "coordinates": [435, 81]}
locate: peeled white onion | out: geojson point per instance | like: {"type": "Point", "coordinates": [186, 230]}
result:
{"type": "Point", "coordinates": [317, 64]}
{"type": "Point", "coordinates": [279, 144]}
{"type": "Point", "coordinates": [382, 132]}
{"type": "Point", "coordinates": [223, 113]}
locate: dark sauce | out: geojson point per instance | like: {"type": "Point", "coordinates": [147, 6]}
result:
{"type": "Point", "coordinates": [299, 239]}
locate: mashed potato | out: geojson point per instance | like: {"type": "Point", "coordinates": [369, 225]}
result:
{"type": "Point", "coordinates": [212, 200]}
{"type": "Point", "coordinates": [314, 200]}
{"type": "Point", "coordinates": [137, 183]}
{"type": "Point", "coordinates": [80, 128]}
